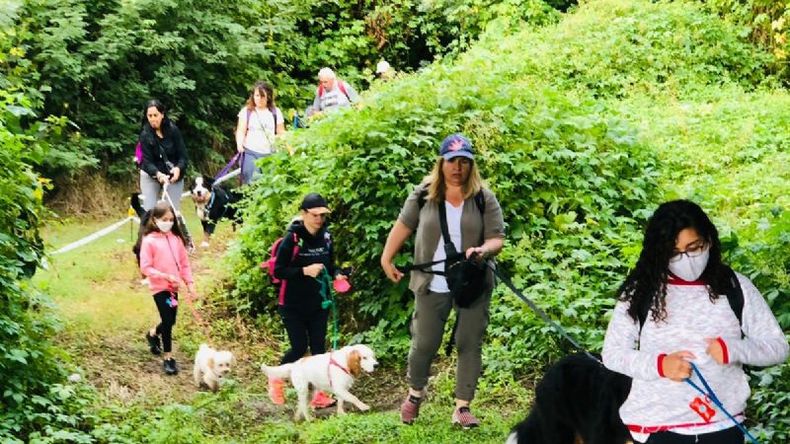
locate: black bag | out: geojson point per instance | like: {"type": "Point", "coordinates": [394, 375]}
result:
{"type": "Point", "coordinates": [465, 277]}
{"type": "Point", "coordinates": [466, 280]}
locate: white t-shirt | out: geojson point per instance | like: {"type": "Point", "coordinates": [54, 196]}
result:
{"type": "Point", "coordinates": [260, 129]}
{"type": "Point", "coordinates": [439, 283]}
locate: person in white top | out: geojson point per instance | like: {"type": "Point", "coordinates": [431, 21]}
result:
{"type": "Point", "coordinates": [678, 291]}
{"type": "Point", "coordinates": [259, 122]}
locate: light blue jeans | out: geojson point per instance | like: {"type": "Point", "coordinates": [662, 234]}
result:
{"type": "Point", "coordinates": [250, 171]}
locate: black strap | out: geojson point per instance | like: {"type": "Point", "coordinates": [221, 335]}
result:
{"type": "Point", "coordinates": [449, 247]}
{"type": "Point", "coordinates": [173, 254]}
{"type": "Point", "coordinates": [735, 296]}
{"type": "Point", "coordinates": [539, 311]}
{"type": "Point", "coordinates": [480, 199]}
{"type": "Point", "coordinates": [426, 267]}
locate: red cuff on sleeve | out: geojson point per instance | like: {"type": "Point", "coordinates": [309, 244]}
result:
{"type": "Point", "coordinates": [659, 364]}
{"type": "Point", "coordinates": [724, 353]}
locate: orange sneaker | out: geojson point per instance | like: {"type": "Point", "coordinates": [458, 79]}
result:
{"type": "Point", "coordinates": [276, 391]}
{"type": "Point", "coordinates": [321, 400]}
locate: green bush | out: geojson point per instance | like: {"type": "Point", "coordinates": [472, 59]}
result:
{"type": "Point", "coordinates": [577, 173]}
{"type": "Point", "coordinates": [36, 403]}
{"type": "Point", "coordinates": [766, 21]}
{"type": "Point", "coordinates": [568, 173]}
{"type": "Point", "coordinates": [614, 49]}
{"type": "Point", "coordinates": [97, 63]}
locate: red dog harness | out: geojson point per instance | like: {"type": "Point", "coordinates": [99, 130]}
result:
{"type": "Point", "coordinates": [336, 364]}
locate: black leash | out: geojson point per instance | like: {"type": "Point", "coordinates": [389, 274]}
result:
{"type": "Point", "coordinates": [422, 267]}
{"type": "Point", "coordinates": [425, 267]}
{"type": "Point", "coordinates": [539, 311]}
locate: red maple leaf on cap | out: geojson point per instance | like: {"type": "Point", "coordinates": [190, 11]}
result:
{"type": "Point", "coordinates": [456, 145]}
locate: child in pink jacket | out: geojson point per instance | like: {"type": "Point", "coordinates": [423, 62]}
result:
{"type": "Point", "coordinates": [164, 260]}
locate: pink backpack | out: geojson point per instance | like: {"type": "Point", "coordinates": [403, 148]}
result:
{"type": "Point", "coordinates": [138, 153]}
{"type": "Point", "coordinates": [340, 85]}
{"type": "Point", "coordinates": [268, 265]}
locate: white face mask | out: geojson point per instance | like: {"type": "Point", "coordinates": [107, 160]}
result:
{"type": "Point", "coordinates": [163, 226]}
{"type": "Point", "coordinates": [689, 267]}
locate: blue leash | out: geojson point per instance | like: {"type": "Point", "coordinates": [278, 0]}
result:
{"type": "Point", "coordinates": [712, 396]}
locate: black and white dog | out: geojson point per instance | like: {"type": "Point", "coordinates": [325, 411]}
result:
{"type": "Point", "coordinates": [577, 401]}
{"type": "Point", "coordinates": [213, 203]}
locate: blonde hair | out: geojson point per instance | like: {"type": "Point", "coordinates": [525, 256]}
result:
{"type": "Point", "coordinates": [435, 182]}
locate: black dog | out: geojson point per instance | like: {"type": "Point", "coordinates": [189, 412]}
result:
{"type": "Point", "coordinates": [577, 401]}
{"type": "Point", "coordinates": [213, 203]}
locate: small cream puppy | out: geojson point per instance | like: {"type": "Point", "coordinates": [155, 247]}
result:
{"type": "Point", "coordinates": [211, 366]}
{"type": "Point", "coordinates": [334, 371]}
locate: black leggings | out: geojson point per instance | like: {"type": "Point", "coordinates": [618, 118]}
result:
{"type": "Point", "coordinates": [727, 436]}
{"type": "Point", "coordinates": [304, 329]}
{"type": "Point", "coordinates": [168, 315]}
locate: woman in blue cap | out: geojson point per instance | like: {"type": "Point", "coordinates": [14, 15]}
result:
{"type": "Point", "coordinates": [452, 195]}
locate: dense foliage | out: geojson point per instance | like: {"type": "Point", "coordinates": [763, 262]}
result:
{"type": "Point", "coordinates": [35, 400]}
{"type": "Point", "coordinates": [767, 23]}
{"type": "Point", "coordinates": [581, 126]}
{"type": "Point", "coordinates": [577, 126]}
{"type": "Point", "coordinates": [99, 61]}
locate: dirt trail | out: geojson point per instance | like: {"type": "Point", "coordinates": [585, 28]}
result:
{"type": "Point", "coordinates": [106, 312]}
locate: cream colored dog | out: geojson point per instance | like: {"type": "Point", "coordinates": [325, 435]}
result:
{"type": "Point", "coordinates": [334, 372]}
{"type": "Point", "coordinates": [211, 366]}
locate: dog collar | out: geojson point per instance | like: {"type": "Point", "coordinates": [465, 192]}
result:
{"type": "Point", "coordinates": [210, 201]}
{"type": "Point", "coordinates": [336, 364]}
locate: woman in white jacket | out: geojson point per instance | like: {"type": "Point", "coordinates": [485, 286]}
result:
{"type": "Point", "coordinates": [678, 290]}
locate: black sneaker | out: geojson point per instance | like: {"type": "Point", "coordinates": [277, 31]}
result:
{"type": "Point", "coordinates": [153, 344]}
{"type": "Point", "coordinates": [170, 366]}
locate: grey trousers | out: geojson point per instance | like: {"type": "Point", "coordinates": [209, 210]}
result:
{"type": "Point", "coordinates": [431, 311]}
{"type": "Point", "coordinates": [151, 190]}
{"type": "Point", "coordinates": [250, 171]}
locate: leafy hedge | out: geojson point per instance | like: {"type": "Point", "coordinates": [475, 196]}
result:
{"type": "Point", "coordinates": [573, 182]}
{"type": "Point", "coordinates": [571, 179]}
{"type": "Point", "coordinates": [767, 23]}
{"type": "Point", "coordinates": [36, 402]}
{"type": "Point", "coordinates": [583, 128]}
